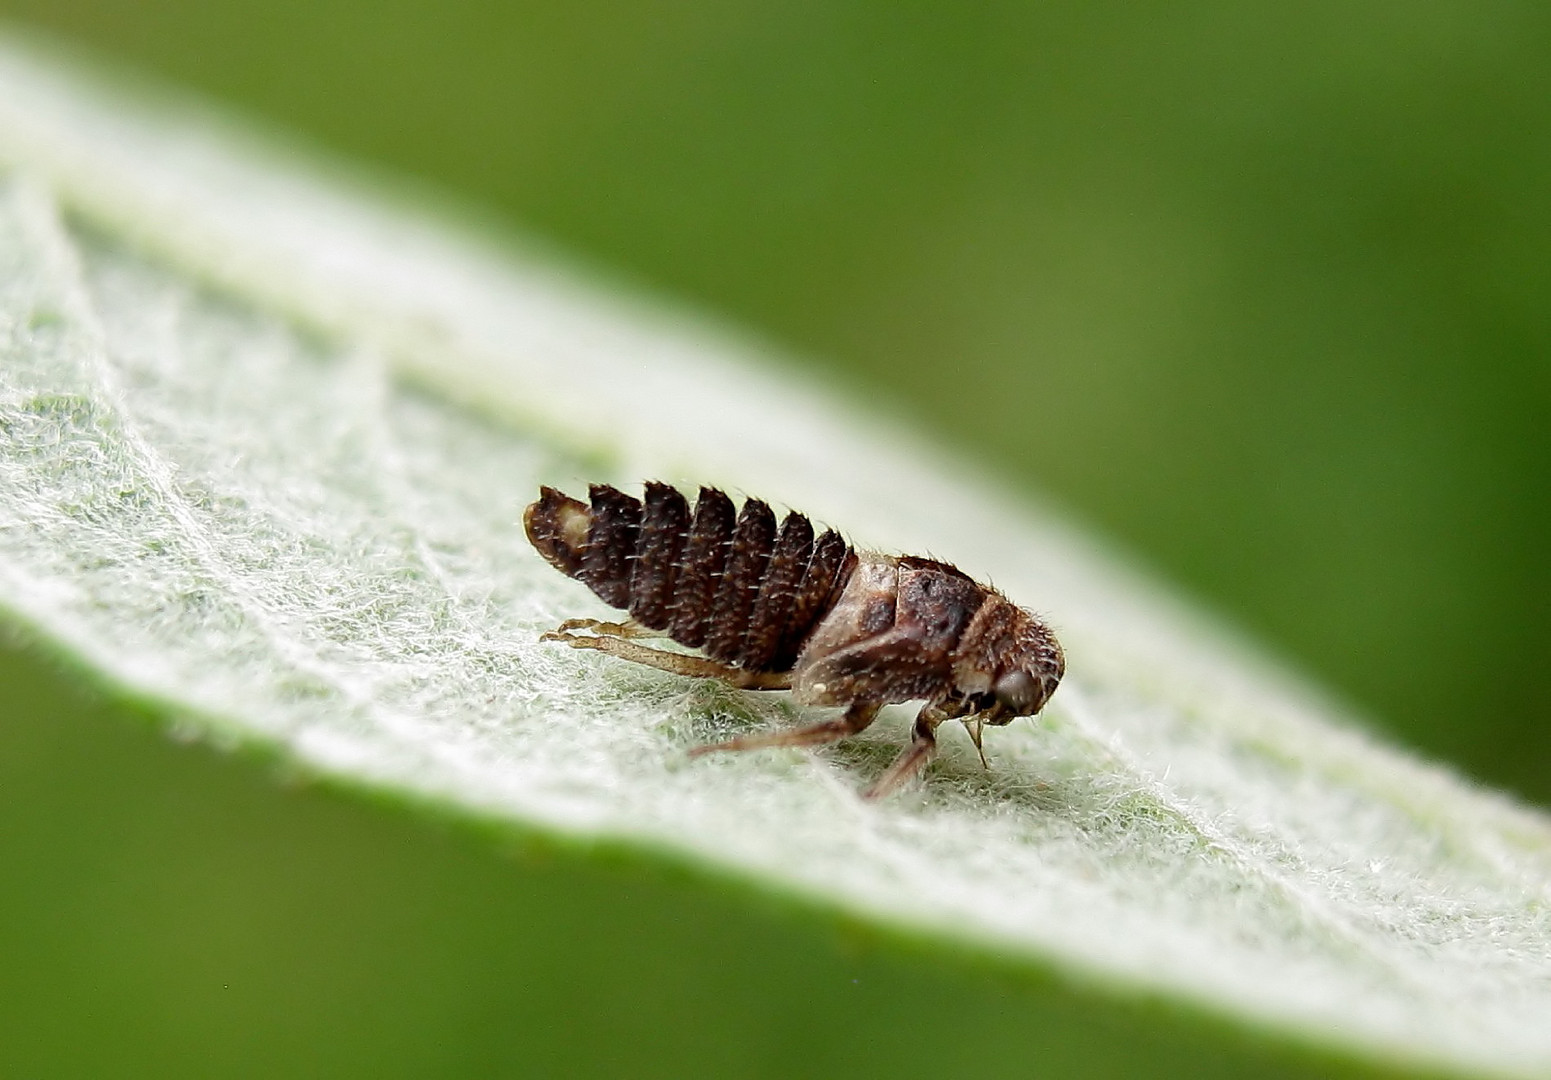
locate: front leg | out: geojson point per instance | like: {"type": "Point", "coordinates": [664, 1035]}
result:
{"type": "Point", "coordinates": [923, 744]}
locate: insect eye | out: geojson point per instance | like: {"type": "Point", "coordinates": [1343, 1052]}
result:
{"type": "Point", "coordinates": [1019, 692]}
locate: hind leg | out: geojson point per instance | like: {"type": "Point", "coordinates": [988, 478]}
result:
{"type": "Point", "coordinates": [627, 629]}
{"type": "Point", "coordinates": [853, 720]}
{"type": "Point", "coordinates": [615, 639]}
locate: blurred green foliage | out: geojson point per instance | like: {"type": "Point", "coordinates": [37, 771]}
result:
{"type": "Point", "coordinates": [1263, 290]}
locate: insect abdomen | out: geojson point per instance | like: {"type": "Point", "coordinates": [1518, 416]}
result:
{"type": "Point", "coordinates": [735, 585]}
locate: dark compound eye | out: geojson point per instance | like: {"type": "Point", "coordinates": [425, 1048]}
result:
{"type": "Point", "coordinates": [1019, 691]}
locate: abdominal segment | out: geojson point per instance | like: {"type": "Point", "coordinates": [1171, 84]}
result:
{"type": "Point", "coordinates": [737, 585]}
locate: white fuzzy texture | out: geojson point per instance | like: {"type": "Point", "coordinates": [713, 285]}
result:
{"type": "Point", "coordinates": [271, 531]}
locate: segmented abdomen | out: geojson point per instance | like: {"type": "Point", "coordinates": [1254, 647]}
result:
{"type": "Point", "coordinates": [733, 584]}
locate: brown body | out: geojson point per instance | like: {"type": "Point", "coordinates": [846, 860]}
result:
{"type": "Point", "coordinates": [776, 608]}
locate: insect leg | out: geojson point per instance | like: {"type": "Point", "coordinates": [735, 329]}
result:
{"type": "Point", "coordinates": [677, 663]}
{"type": "Point", "coordinates": [854, 719]}
{"type": "Point", "coordinates": [627, 629]}
{"type": "Point", "coordinates": [923, 744]}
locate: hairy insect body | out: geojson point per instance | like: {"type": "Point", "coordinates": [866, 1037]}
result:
{"type": "Point", "coordinates": [891, 634]}
{"type": "Point", "coordinates": [774, 607]}
{"type": "Point", "coordinates": [733, 584]}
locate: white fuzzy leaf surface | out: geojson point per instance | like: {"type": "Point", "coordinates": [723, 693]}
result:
{"type": "Point", "coordinates": [264, 444]}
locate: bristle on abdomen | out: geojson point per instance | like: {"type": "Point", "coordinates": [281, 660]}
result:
{"type": "Point", "coordinates": [745, 591]}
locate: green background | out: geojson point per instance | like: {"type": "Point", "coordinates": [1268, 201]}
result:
{"type": "Point", "coordinates": [1260, 290]}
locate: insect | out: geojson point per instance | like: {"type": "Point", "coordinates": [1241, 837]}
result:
{"type": "Point", "coordinates": [776, 608]}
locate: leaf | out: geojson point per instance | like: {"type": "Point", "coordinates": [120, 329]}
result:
{"type": "Point", "coordinates": [265, 437]}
